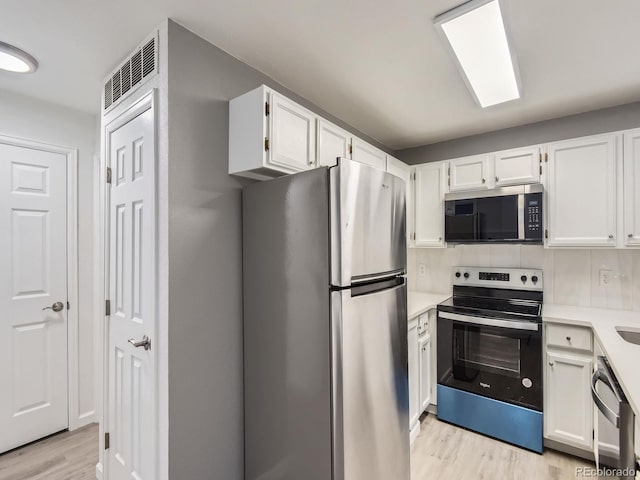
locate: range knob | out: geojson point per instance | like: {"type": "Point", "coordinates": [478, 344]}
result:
{"type": "Point", "coordinates": [466, 274]}
{"type": "Point", "coordinates": [523, 278]}
{"type": "Point", "coordinates": [534, 279]}
{"type": "Point", "coordinates": [457, 274]}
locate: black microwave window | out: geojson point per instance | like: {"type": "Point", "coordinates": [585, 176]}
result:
{"type": "Point", "coordinates": [498, 218]}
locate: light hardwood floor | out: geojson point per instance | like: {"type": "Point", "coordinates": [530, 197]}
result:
{"type": "Point", "coordinates": [446, 452]}
{"type": "Point", "coordinates": [65, 456]}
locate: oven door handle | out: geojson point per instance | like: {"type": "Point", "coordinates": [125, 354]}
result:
{"type": "Point", "coordinates": [609, 414]}
{"type": "Point", "coordinates": [491, 322]}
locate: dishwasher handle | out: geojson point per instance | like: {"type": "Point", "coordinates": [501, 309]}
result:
{"type": "Point", "coordinates": [610, 415]}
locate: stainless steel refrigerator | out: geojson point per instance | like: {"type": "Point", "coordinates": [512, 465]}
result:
{"type": "Point", "coordinates": [325, 326]}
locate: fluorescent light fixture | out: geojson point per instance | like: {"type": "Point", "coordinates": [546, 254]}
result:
{"type": "Point", "coordinates": [477, 36]}
{"type": "Point", "coordinates": [15, 60]}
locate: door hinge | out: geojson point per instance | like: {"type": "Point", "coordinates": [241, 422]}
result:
{"type": "Point", "coordinates": [107, 307]}
{"type": "Point", "coordinates": [106, 441]}
{"type": "Point", "coordinates": [449, 181]}
{"type": "Point", "coordinates": [540, 169]}
{"type": "Point", "coordinates": [593, 434]}
{"type": "Point", "coordinates": [414, 175]}
{"type": "Point", "coordinates": [108, 174]}
{"type": "Point", "coordinates": [68, 305]}
{"type": "Point", "coordinates": [546, 157]}
{"type": "Point", "coordinates": [540, 157]}
{"type": "Point", "coordinates": [266, 144]}
{"type": "Point", "coordinates": [350, 149]}
{"type": "Point", "coordinates": [266, 109]}
{"type": "Point", "coordinates": [546, 233]}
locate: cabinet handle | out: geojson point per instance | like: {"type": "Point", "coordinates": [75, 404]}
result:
{"type": "Point", "coordinates": [630, 235]}
{"type": "Point", "coordinates": [569, 339]}
{"type": "Point", "coordinates": [439, 239]}
{"type": "Point", "coordinates": [497, 179]}
{"type": "Point", "coordinates": [551, 364]}
{"type": "Point", "coordinates": [483, 180]}
{"type": "Point", "coordinates": [611, 236]}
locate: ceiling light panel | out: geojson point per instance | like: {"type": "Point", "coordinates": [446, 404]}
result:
{"type": "Point", "coordinates": [15, 60]}
{"type": "Point", "coordinates": [476, 33]}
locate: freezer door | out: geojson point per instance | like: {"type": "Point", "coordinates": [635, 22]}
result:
{"type": "Point", "coordinates": [370, 382]}
{"type": "Point", "coordinates": [368, 235]}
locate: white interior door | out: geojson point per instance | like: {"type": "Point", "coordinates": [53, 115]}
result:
{"type": "Point", "coordinates": [131, 410]}
{"type": "Point", "coordinates": [33, 275]}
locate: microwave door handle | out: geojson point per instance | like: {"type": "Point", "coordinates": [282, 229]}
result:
{"type": "Point", "coordinates": [609, 414]}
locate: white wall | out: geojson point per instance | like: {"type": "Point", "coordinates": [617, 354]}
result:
{"type": "Point", "coordinates": [571, 277]}
{"type": "Point", "coordinates": [32, 119]}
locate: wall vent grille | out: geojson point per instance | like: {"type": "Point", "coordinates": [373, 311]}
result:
{"type": "Point", "coordinates": [137, 68]}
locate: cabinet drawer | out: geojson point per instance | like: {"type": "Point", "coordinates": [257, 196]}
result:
{"type": "Point", "coordinates": [569, 336]}
{"type": "Point", "coordinates": [423, 323]}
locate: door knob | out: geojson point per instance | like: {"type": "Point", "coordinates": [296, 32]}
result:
{"type": "Point", "coordinates": [145, 342]}
{"type": "Point", "coordinates": [56, 307]}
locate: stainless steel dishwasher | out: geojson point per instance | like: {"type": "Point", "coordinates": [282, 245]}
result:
{"type": "Point", "coordinates": [619, 413]}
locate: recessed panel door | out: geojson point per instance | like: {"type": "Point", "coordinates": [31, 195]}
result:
{"type": "Point", "coordinates": [131, 416]}
{"type": "Point", "coordinates": [33, 295]}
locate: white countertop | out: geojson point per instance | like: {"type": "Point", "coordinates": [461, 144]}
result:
{"type": "Point", "coordinates": [623, 356]}
{"type": "Point", "coordinates": [420, 302]}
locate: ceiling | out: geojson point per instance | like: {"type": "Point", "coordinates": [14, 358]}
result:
{"type": "Point", "coordinates": [378, 65]}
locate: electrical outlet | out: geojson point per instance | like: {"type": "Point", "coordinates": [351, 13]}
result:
{"type": "Point", "coordinates": [422, 269]}
{"type": "Point", "coordinates": [606, 277]}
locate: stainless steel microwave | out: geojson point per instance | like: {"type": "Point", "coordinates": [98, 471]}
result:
{"type": "Point", "coordinates": [503, 215]}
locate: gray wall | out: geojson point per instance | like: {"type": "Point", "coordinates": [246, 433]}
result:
{"type": "Point", "coordinates": [572, 126]}
{"type": "Point", "coordinates": [205, 259]}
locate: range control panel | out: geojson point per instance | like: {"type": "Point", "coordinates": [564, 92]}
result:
{"type": "Point", "coordinates": [516, 278]}
{"type": "Point", "coordinates": [533, 216]}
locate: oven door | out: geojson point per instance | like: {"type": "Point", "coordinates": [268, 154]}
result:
{"type": "Point", "coordinates": [495, 358]}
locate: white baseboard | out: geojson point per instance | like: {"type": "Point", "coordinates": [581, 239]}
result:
{"type": "Point", "coordinates": [86, 418]}
{"type": "Point", "coordinates": [99, 475]}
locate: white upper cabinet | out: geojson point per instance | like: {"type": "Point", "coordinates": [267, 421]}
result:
{"type": "Point", "coordinates": [402, 170]}
{"type": "Point", "coordinates": [293, 136]}
{"type": "Point", "coordinates": [518, 166]}
{"type": "Point", "coordinates": [333, 143]}
{"type": "Point", "coordinates": [366, 153]}
{"type": "Point", "coordinates": [469, 173]}
{"type": "Point", "coordinates": [270, 135]}
{"type": "Point", "coordinates": [632, 187]}
{"type": "Point", "coordinates": [429, 189]}
{"type": "Point", "coordinates": [581, 192]}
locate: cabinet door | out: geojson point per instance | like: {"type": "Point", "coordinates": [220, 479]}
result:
{"type": "Point", "coordinates": [333, 143]}
{"type": "Point", "coordinates": [469, 173]}
{"type": "Point", "coordinates": [425, 372]}
{"type": "Point", "coordinates": [581, 192]}
{"type": "Point", "coordinates": [414, 374]}
{"type": "Point", "coordinates": [631, 192]}
{"type": "Point", "coordinates": [518, 166]}
{"type": "Point", "coordinates": [402, 170]}
{"type": "Point", "coordinates": [433, 333]}
{"type": "Point", "coordinates": [429, 189]}
{"type": "Point", "coordinates": [365, 153]}
{"type": "Point", "coordinates": [568, 409]}
{"type": "Point", "coordinates": [292, 134]}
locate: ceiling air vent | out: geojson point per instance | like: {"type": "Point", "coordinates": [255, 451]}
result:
{"type": "Point", "coordinates": [139, 66]}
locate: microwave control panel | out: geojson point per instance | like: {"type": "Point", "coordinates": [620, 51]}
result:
{"type": "Point", "coordinates": [533, 216]}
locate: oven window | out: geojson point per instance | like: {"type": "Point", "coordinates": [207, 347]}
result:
{"type": "Point", "coordinates": [478, 350]}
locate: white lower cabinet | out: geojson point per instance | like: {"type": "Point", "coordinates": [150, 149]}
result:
{"type": "Point", "coordinates": [425, 372]}
{"type": "Point", "coordinates": [414, 378]}
{"type": "Point", "coordinates": [568, 409]}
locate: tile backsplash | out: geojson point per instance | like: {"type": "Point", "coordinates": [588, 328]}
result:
{"type": "Point", "coordinates": [596, 278]}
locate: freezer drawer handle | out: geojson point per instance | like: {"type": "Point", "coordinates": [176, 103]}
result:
{"type": "Point", "coordinates": [612, 416]}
